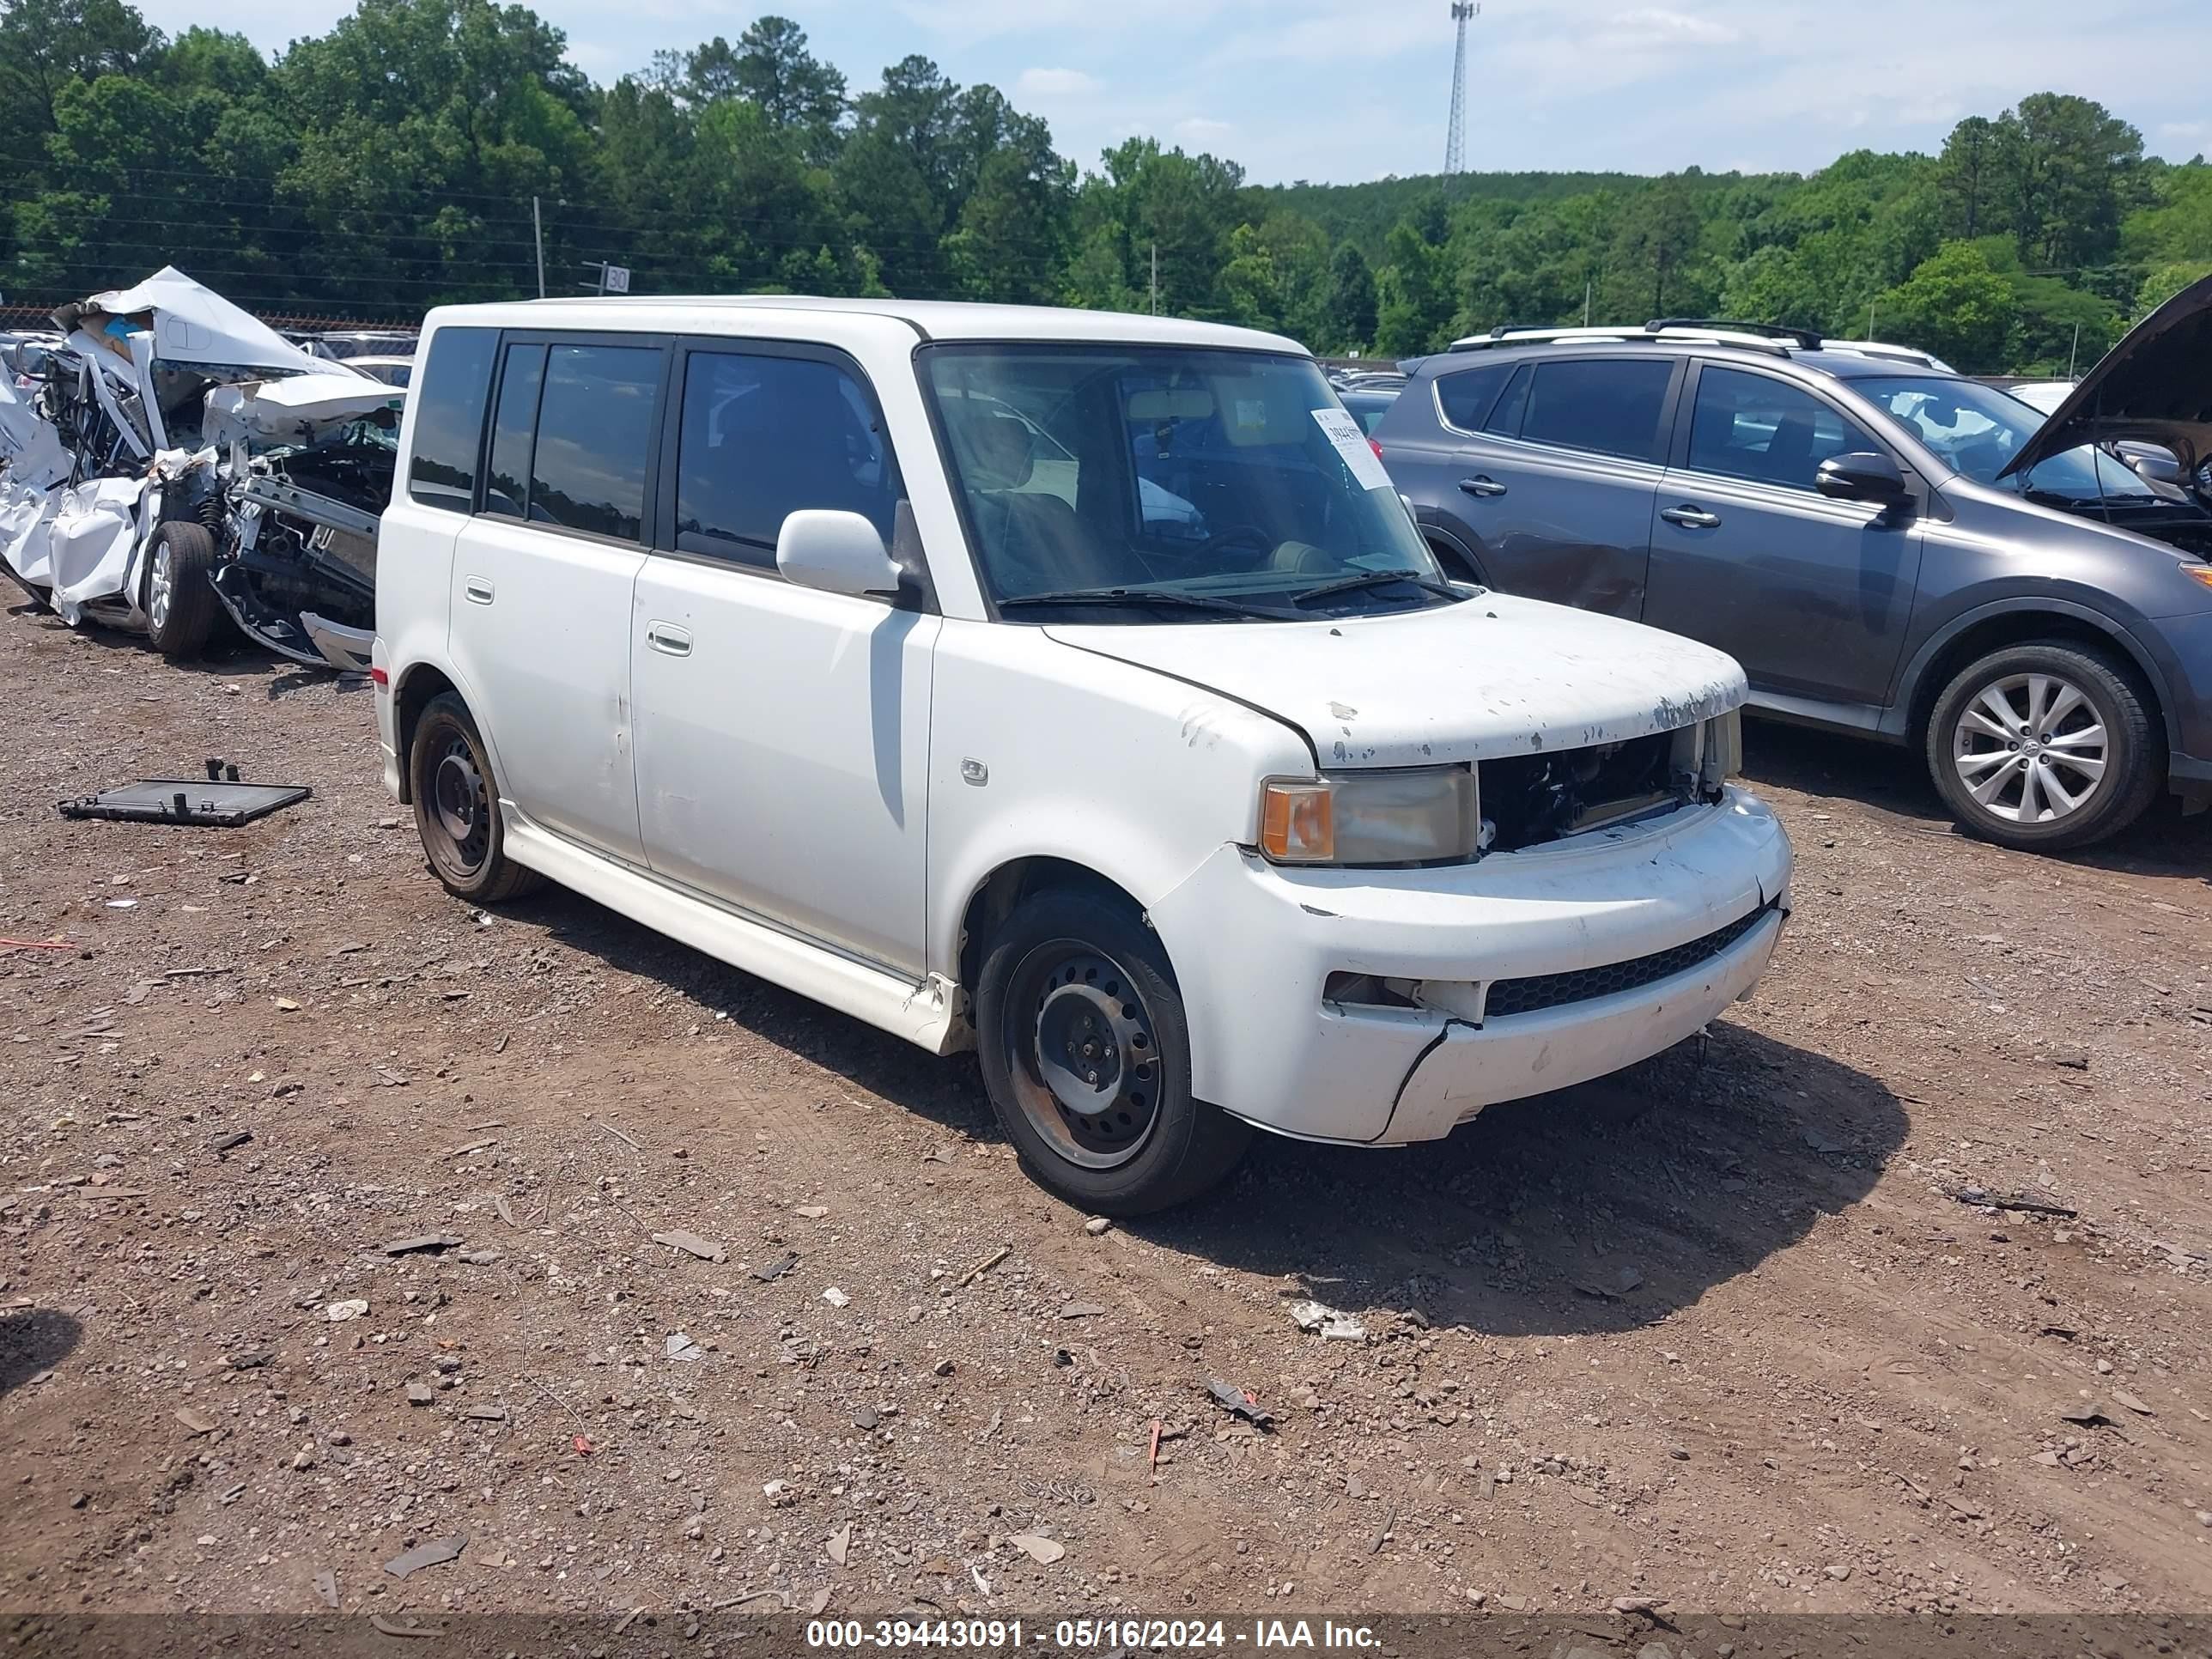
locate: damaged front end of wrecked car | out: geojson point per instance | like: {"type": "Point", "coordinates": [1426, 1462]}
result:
{"type": "Point", "coordinates": [171, 459]}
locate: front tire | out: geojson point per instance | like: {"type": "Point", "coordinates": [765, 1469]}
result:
{"type": "Point", "coordinates": [2043, 747]}
{"type": "Point", "coordinates": [180, 598]}
{"type": "Point", "coordinates": [457, 807]}
{"type": "Point", "coordinates": [1085, 1054]}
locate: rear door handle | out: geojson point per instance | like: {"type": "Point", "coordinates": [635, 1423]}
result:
{"type": "Point", "coordinates": [668, 640]}
{"type": "Point", "coordinates": [1690, 518]}
{"type": "Point", "coordinates": [1482, 485]}
{"type": "Point", "coordinates": [475, 590]}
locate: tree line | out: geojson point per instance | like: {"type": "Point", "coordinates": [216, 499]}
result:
{"type": "Point", "coordinates": [411, 156]}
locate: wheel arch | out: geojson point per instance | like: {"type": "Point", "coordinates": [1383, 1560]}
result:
{"type": "Point", "coordinates": [1449, 545]}
{"type": "Point", "coordinates": [417, 685]}
{"type": "Point", "coordinates": [996, 896]}
{"type": "Point", "coordinates": [2015, 622]}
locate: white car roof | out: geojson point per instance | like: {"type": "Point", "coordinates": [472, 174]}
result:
{"type": "Point", "coordinates": [932, 320]}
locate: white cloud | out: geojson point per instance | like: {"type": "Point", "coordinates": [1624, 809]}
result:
{"type": "Point", "coordinates": [1055, 83]}
{"type": "Point", "coordinates": [1653, 28]}
{"type": "Point", "coordinates": [1204, 128]}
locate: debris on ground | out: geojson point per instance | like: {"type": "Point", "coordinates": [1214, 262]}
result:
{"type": "Point", "coordinates": [692, 1245]}
{"type": "Point", "coordinates": [1238, 1403]}
{"type": "Point", "coordinates": [1318, 1319]}
{"type": "Point", "coordinates": [1043, 1551]}
{"type": "Point", "coordinates": [417, 1243]}
{"type": "Point", "coordinates": [435, 1552]}
{"type": "Point", "coordinates": [777, 1268]}
{"type": "Point", "coordinates": [353, 1309]}
{"type": "Point", "coordinates": [681, 1346]}
{"type": "Point", "coordinates": [983, 1266]}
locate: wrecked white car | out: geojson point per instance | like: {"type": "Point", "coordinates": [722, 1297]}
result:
{"type": "Point", "coordinates": [171, 459]}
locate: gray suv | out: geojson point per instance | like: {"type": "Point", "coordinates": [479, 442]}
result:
{"type": "Point", "coordinates": [1888, 549]}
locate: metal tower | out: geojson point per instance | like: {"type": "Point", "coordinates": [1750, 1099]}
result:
{"type": "Point", "coordinates": [1456, 140]}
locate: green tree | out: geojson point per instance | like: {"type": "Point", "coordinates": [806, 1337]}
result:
{"type": "Point", "coordinates": [1412, 302]}
{"type": "Point", "coordinates": [1652, 263]}
{"type": "Point", "coordinates": [1956, 306]}
{"type": "Point", "coordinates": [794, 89]}
{"type": "Point", "coordinates": [1968, 182]}
{"type": "Point", "coordinates": [1350, 314]}
{"type": "Point", "coordinates": [2069, 168]}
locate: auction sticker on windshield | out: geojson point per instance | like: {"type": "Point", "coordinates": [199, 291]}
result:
{"type": "Point", "coordinates": [1351, 443]}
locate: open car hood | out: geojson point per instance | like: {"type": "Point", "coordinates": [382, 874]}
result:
{"type": "Point", "coordinates": [2155, 386]}
{"type": "Point", "coordinates": [1490, 677]}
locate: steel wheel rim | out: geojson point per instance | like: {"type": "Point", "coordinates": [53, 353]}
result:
{"type": "Point", "coordinates": [1083, 1054]}
{"type": "Point", "coordinates": [460, 804]}
{"type": "Point", "coordinates": [2030, 748]}
{"type": "Point", "coordinates": [158, 586]}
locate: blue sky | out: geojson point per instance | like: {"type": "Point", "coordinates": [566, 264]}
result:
{"type": "Point", "coordinates": [1344, 90]}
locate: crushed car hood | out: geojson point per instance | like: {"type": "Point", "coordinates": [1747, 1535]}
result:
{"type": "Point", "coordinates": [190, 324]}
{"type": "Point", "coordinates": [1490, 677]}
{"type": "Point", "coordinates": [2154, 386]}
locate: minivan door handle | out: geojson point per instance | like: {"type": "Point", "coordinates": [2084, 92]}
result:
{"type": "Point", "coordinates": [1482, 485]}
{"type": "Point", "coordinates": [668, 640]}
{"type": "Point", "coordinates": [475, 590]}
{"type": "Point", "coordinates": [1689, 517]}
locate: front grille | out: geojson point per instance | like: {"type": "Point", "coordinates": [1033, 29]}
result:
{"type": "Point", "coordinates": [1526, 996]}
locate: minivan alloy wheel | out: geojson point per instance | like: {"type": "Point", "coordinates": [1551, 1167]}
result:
{"type": "Point", "coordinates": [1084, 1056]}
{"type": "Point", "coordinates": [2030, 749]}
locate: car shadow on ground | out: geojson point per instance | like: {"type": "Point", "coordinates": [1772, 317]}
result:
{"type": "Point", "coordinates": [1894, 783]}
{"type": "Point", "coordinates": [34, 1340]}
{"type": "Point", "coordinates": [1599, 1208]}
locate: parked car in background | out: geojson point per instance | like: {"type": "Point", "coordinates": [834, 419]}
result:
{"type": "Point", "coordinates": [2044, 397]}
{"type": "Point", "coordinates": [847, 641]}
{"type": "Point", "coordinates": [1888, 549]}
{"type": "Point", "coordinates": [1368, 405]}
{"type": "Point", "coordinates": [393, 370]}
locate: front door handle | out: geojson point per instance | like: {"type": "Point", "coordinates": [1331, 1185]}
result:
{"type": "Point", "coordinates": [668, 639]}
{"type": "Point", "coordinates": [475, 590]}
{"type": "Point", "coordinates": [1480, 484]}
{"type": "Point", "coordinates": [1690, 518]}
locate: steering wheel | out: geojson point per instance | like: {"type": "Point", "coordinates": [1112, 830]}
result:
{"type": "Point", "coordinates": [1261, 543]}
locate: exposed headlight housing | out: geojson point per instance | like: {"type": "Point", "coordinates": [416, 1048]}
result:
{"type": "Point", "coordinates": [1425, 815]}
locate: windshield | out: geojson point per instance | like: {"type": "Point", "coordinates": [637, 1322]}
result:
{"type": "Point", "coordinates": [1975, 430]}
{"type": "Point", "coordinates": [1164, 483]}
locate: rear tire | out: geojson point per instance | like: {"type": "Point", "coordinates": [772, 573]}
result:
{"type": "Point", "coordinates": [180, 602]}
{"type": "Point", "coordinates": [2043, 747]}
{"type": "Point", "coordinates": [1085, 1054]}
{"type": "Point", "coordinates": [457, 807]}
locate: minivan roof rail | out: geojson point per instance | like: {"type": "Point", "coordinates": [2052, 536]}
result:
{"type": "Point", "coordinates": [1755, 337]}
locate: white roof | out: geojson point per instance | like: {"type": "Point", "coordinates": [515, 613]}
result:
{"type": "Point", "coordinates": [934, 319]}
{"type": "Point", "coordinates": [193, 323]}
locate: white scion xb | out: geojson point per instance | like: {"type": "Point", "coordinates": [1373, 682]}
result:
{"type": "Point", "coordinates": [1070, 686]}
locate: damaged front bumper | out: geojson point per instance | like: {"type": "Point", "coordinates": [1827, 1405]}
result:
{"type": "Point", "coordinates": [1384, 1006]}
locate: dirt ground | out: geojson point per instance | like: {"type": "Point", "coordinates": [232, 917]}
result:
{"type": "Point", "coordinates": [1717, 1334]}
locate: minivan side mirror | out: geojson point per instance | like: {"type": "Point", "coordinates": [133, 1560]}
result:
{"type": "Point", "coordinates": [1862, 475]}
{"type": "Point", "coordinates": [835, 551]}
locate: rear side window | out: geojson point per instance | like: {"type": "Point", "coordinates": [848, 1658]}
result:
{"type": "Point", "coordinates": [763, 436]}
{"type": "Point", "coordinates": [1466, 397]}
{"type": "Point", "coordinates": [595, 419]}
{"type": "Point", "coordinates": [449, 415]}
{"type": "Point", "coordinates": [1612, 407]}
{"type": "Point", "coordinates": [513, 425]}
{"type": "Point", "coordinates": [1506, 419]}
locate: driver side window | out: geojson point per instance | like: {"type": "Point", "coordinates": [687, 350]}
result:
{"type": "Point", "coordinates": [1756, 427]}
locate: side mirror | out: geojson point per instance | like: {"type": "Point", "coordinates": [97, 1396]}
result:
{"type": "Point", "coordinates": [2153, 464]}
{"type": "Point", "coordinates": [1861, 476]}
{"type": "Point", "coordinates": [836, 552]}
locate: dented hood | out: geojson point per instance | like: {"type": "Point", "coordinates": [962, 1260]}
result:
{"type": "Point", "coordinates": [297, 410]}
{"type": "Point", "coordinates": [192, 323]}
{"type": "Point", "coordinates": [1492, 676]}
{"type": "Point", "coordinates": [2154, 387]}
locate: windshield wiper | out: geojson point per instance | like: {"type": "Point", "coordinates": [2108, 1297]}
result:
{"type": "Point", "coordinates": [1376, 578]}
{"type": "Point", "coordinates": [1164, 598]}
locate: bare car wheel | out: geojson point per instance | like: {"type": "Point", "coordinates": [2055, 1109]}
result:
{"type": "Point", "coordinates": [180, 602]}
{"type": "Point", "coordinates": [457, 807]}
{"type": "Point", "coordinates": [1085, 1054]}
{"type": "Point", "coordinates": [2043, 747]}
